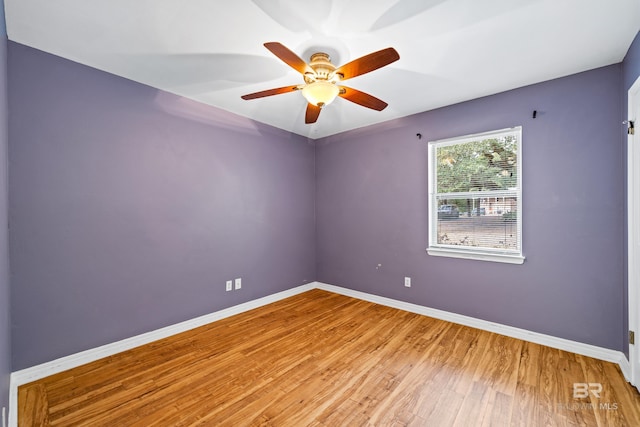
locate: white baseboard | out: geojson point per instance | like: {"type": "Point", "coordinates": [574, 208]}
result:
{"type": "Point", "coordinates": [43, 370]}
{"type": "Point", "coordinates": [46, 369]}
{"type": "Point", "coordinates": [596, 352]}
{"type": "Point", "coordinates": [625, 367]}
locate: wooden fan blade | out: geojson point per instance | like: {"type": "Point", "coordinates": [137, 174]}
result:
{"type": "Point", "coordinates": [362, 98]}
{"type": "Point", "coordinates": [368, 63]}
{"type": "Point", "coordinates": [289, 58]}
{"type": "Point", "coordinates": [270, 92]}
{"type": "Point", "coordinates": [312, 113]}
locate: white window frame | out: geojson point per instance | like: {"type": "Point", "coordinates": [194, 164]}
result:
{"type": "Point", "coordinates": [466, 252]}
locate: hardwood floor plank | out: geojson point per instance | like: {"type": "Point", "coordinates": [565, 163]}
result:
{"type": "Point", "coordinates": [322, 359]}
{"type": "Point", "coordinates": [344, 413]}
{"type": "Point", "coordinates": [500, 408]}
{"type": "Point", "coordinates": [525, 409]}
{"type": "Point", "coordinates": [498, 367]}
{"type": "Point", "coordinates": [472, 410]}
{"type": "Point", "coordinates": [443, 408]}
{"type": "Point", "coordinates": [33, 405]}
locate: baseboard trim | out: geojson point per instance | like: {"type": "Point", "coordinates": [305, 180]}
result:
{"type": "Point", "coordinates": [46, 369]}
{"type": "Point", "coordinates": [596, 352]}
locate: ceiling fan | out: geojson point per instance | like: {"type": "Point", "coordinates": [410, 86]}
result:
{"type": "Point", "coordinates": [322, 78]}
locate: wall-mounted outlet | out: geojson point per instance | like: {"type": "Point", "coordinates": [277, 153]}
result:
{"type": "Point", "coordinates": [229, 285]}
{"type": "Point", "coordinates": [238, 283]}
{"type": "Point", "coordinates": [407, 282]}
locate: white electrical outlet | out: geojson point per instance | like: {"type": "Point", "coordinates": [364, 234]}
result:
{"type": "Point", "coordinates": [407, 282]}
{"type": "Point", "coordinates": [238, 283]}
{"type": "Point", "coordinates": [229, 285]}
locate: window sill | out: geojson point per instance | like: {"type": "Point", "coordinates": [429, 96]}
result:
{"type": "Point", "coordinates": [479, 256]}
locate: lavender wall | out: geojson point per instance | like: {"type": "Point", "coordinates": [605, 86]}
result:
{"type": "Point", "coordinates": [372, 209]}
{"type": "Point", "coordinates": [131, 207]}
{"type": "Point", "coordinates": [631, 66]}
{"type": "Point", "coordinates": [5, 323]}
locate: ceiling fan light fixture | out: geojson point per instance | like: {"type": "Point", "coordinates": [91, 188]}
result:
{"type": "Point", "coordinates": [323, 80]}
{"type": "Point", "coordinates": [320, 92]}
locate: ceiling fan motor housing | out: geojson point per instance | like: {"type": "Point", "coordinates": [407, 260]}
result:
{"type": "Point", "coordinates": [324, 69]}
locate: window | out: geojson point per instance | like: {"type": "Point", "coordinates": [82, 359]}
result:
{"type": "Point", "coordinates": [475, 196]}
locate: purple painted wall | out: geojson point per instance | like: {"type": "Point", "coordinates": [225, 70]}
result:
{"type": "Point", "coordinates": [631, 66]}
{"type": "Point", "coordinates": [130, 208]}
{"type": "Point", "coordinates": [5, 321]}
{"type": "Point", "coordinates": [372, 209]}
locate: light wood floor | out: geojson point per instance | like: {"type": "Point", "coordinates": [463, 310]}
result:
{"type": "Point", "coordinates": [321, 359]}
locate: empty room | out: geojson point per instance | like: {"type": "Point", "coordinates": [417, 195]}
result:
{"type": "Point", "coordinates": [330, 213]}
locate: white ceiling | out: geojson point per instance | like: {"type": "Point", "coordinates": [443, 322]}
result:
{"type": "Point", "coordinates": [212, 50]}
